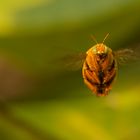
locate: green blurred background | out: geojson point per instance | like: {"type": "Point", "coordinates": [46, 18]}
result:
{"type": "Point", "coordinates": [39, 98]}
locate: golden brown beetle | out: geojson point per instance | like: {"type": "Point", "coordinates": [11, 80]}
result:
{"type": "Point", "coordinates": [100, 66]}
{"type": "Point", "coordinates": [99, 69]}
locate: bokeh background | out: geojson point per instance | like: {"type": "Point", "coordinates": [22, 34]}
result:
{"type": "Point", "coordinates": [42, 100]}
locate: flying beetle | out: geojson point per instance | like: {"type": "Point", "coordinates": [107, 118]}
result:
{"type": "Point", "coordinates": [100, 66]}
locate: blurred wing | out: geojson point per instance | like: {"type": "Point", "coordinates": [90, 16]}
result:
{"type": "Point", "coordinates": [124, 56]}
{"type": "Point", "coordinates": [74, 61]}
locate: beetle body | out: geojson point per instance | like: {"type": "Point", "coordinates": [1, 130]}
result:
{"type": "Point", "coordinates": [99, 69]}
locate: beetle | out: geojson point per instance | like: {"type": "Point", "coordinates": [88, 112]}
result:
{"type": "Point", "coordinates": [100, 66]}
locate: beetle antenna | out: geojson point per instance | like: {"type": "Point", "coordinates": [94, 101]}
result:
{"type": "Point", "coordinates": [105, 38]}
{"type": "Point", "coordinates": [93, 37]}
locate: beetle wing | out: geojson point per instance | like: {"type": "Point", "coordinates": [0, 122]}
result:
{"type": "Point", "coordinates": [73, 61]}
{"type": "Point", "coordinates": [124, 56]}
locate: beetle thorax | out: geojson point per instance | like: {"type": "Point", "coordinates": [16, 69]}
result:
{"type": "Point", "coordinates": [100, 49]}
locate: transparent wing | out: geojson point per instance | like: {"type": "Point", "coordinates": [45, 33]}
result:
{"type": "Point", "coordinates": [124, 56]}
{"type": "Point", "coordinates": [73, 61]}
